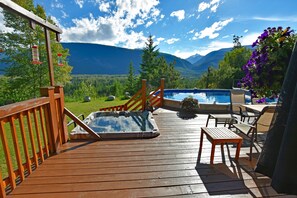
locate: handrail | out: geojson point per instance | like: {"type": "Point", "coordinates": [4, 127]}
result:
{"type": "Point", "coordinates": [18, 107]}
{"type": "Point", "coordinates": [72, 121]}
{"type": "Point", "coordinates": [35, 128]}
{"type": "Point", "coordinates": [139, 100]}
{"type": "Point", "coordinates": [82, 124]}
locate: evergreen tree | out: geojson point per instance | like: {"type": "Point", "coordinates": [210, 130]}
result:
{"type": "Point", "coordinates": [24, 78]}
{"type": "Point", "coordinates": [130, 86]}
{"type": "Point", "coordinates": [153, 67]}
{"type": "Point", "coordinates": [229, 70]}
{"type": "Point", "coordinates": [149, 60]}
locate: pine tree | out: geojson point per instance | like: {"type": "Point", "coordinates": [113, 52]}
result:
{"type": "Point", "coordinates": [24, 78]}
{"type": "Point", "coordinates": [130, 87]}
{"type": "Point", "coordinates": [155, 67]}
{"type": "Point", "coordinates": [149, 60]}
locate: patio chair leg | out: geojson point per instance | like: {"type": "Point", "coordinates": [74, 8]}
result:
{"type": "Point", "coordinates": [251, 146]}
{"type": "Point", "coordinates": [207, 120]}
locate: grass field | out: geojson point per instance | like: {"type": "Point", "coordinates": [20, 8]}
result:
{"type": "Point", "coordinates": [94, 105]}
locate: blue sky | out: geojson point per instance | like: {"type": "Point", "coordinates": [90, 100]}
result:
{"type": "Point", "coordinates": [179, 27]}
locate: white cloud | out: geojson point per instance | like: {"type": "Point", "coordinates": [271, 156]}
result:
{"type": "Point", "coordinates": [159, 40]}
{"type": "Point", "coordinates": [214, 8]}
{"type": "Point", "coordinates": [116, 28]}
{"type": "Point", "coordinates": [57, 4]}
{"type": "Point", "coordinates": [211, 32]}
{"type": "Point", "coordinates": [185, 54]}
{"type": "Point", "coordinates": [80, 3]}
{"type": "Point", "coordinates": [213, 46]}
{"type": "Point", "coordinates": [57, 22]}
{"type": "Point", "coordinates": [191, 31]}
{"type": "Point", "coordinates": [213, 5]}
{"type": "Point", "coordinates": [65, 15]}
{"type": "Point", "coordinates": [203, 6]}
{"type": "Point", "coordinates": [277, 19]}
{"type": "Point", "coordinates": [172, 40]}
{"type": "Point", "coordinates": [136, 40]}
{"type": "Point", "coordinates": [104, 7]}
{"type": "Point", "coordinates": [148, 24]}
{"type": "Point", "coordinates": [191, 15]}
{"type": "Point", "coordinates": [180, 14]}
{"type": "Point", "coordinates": [2, 26]}
{"type": "Point", "coordinates": [250, 38]}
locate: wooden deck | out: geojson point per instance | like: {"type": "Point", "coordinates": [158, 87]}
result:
{"type": "Point", "coordinates": [165, 166]}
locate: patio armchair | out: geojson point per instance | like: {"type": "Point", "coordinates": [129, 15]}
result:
{"type": "Point", "coordinates": [260, 125]}
{"type": "Point", "coordinates": [237, 98]}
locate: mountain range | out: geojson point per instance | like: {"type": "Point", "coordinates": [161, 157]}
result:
{"type": "Point", "coordinates": [194, 58]}
{"type": "Point", "coordinates": [101, 59]}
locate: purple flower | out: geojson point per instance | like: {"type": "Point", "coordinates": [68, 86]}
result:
{"type": "Point", "coordinates": [262, 100]}
{"type": "Point", "coordinates": [255, 43]}
{"type": "Point", "coordinates": [262, 70]}
{"type": "Point", "coordinates": [264, 35]}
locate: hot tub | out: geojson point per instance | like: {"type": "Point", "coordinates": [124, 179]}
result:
{"type": "Point", "coordinates": [118, 125]}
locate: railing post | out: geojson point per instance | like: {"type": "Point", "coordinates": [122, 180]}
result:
{"type": "Point", "coordinates": [162, 86]}
{"type": "Point", "coordinates": [143, 94]}
{"type": "Point", "coordinates": [63, 125]}
{"type": "Point", "coordinates": [52, 119]}
{"type": "Point", "coordinates": [2, 189]}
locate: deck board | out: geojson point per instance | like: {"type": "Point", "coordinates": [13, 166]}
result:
{"type": "Point", "coordinates": [165, 166]}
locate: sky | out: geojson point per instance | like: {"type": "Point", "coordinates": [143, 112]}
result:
{"type": "Point", "coordinates": [179, 27]}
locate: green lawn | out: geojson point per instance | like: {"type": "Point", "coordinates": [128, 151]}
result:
{"type": "Point", "coordinates": [87, 107]}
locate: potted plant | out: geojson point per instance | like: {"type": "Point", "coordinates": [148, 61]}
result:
{"type": "Point", "coordinates": [189, 104]}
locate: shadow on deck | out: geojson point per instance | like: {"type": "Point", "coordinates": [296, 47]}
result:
{"type": "Point", "coordinates": [165, 166]}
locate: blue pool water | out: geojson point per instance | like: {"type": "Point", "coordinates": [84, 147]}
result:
{"type": "Point", "coordinates": [115, 122]}
{"type": "Point", "coordinates": [204, 96]}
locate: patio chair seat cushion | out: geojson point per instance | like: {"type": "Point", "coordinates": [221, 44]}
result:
{"type": "Point", "coordinates": [244, 128]}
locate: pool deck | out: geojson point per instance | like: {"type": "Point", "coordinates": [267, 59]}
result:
{"type": "Point", "coordinates": [165, 166]}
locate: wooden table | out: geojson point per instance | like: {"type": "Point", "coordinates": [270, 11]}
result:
{"type": "Point", "coordinates": [219, 136]}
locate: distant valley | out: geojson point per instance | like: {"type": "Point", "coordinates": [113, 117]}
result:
{"type": "Point", "coordinates": [101, 59]}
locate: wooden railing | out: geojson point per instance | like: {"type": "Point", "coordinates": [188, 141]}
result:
{"type": "Point", "coordinates": [140, 101]}
{"type": "Point", "coordinates": [30, 132]}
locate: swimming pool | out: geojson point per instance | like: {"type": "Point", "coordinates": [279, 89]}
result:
{"type": "Point", "coordinates": [118, 125]}
{"type": "Point", "coordinates": [210, 100]}
{"type": "Point", "coordinates": [204, 96]}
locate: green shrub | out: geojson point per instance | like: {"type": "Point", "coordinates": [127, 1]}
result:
{"type": "Point", "coordinates": [189, 104]}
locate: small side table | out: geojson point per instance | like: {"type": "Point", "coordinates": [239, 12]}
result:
{"type": "Point", "coordinates": [219, 136]}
